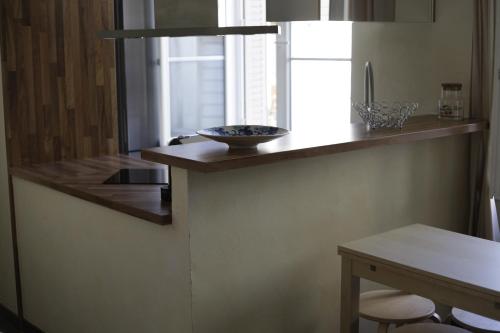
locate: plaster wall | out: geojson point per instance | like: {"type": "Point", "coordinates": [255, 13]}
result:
{"type": "Point", "coordinates": [264, 239]}
{"type": "Point", "coordinates": [86, 268]}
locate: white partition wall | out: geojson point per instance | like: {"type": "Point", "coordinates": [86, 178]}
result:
{"type": "Point", "coordinates": [86, 268]}
{"type": "Point", "coordinates": [411, 60]}
{"type": "Point", "coordinates": [263, 240]}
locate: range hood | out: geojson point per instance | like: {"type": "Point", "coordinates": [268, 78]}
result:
{"type": "Point", "coordinates": [181, 18]}
{"type": "Point", "coordinates": [184, 32]}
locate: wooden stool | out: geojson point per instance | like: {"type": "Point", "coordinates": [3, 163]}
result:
{"type": "Point", "coordinates": [395, 307]}
{"type": "Point", "coordinates": [474, 322]}
{"type": "Point", "coordinates": [429, 328]}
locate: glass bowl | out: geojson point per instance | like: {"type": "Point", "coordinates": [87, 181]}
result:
{"type": "Point", "coordinates": [385, 115]}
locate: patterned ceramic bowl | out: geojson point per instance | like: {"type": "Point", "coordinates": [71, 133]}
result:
{"type": "Point", "coordinates": [243, 136]}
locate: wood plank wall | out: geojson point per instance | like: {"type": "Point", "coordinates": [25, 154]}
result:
{"type": "Point", "coordinates": [59, 79]}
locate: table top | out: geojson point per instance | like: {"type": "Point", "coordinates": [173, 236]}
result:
{"type": "Point", "coordinates": [213, 156]}
{"type": "Point", "coordinates": [463, 260]}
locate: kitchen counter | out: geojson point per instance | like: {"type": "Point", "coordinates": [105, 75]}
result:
{"type": "Point", "coordinates": [212, 156]}
{"type": "Point", "coordinates": [251, 243]}
{"type": "Point", "coordinates": [84, 179]}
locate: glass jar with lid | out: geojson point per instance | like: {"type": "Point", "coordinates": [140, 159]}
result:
{"type": "Point", "coordinates": [451, 104]}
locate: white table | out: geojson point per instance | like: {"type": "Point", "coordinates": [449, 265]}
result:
{"type": "Point", "coordinates": [447, 267]}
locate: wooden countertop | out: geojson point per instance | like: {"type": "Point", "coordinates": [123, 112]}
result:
{"type": "Point", "coordinates": [84, 178]}
{"type": "Point", "coordinates": [210, 156]}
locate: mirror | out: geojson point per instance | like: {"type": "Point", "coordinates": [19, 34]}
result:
{"type": "Point", "coordinates": [382, 10]}
{"type": "Point", "coordinates": [292, 10]}
{"type": "Point", "coordinates": [408, 11]}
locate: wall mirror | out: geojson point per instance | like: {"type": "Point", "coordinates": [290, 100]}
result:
{"type": "Point", "coordinates": [382, 10]}
{"type": "Point", "coordinates": [408, 11]}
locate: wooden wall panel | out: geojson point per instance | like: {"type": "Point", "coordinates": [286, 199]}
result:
{"type": "Point", "coordinates": [59, 79]}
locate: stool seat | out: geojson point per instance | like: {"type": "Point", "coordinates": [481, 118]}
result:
{"type": "Point", "coordinates": [394, 306]}
{"type": "Point", "coordinates": [429, 328]}
{"type": "Point", "coordinates": [474, 322]}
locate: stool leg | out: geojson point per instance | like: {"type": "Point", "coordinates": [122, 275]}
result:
{"type": "Point", "coordinates": [435, 318]}
{"type": "Point", "coordinates": [383, 328]}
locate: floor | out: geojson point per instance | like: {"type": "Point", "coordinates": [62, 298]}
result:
{"type": "Point", "coordinates": [6, 326]}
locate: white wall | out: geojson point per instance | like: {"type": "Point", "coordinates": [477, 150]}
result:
{"type": "Point", "coordinates": [7, 278]}
{"type": "Point", "coordinates": [264, 239]}
{"type": "Point", "coordinates": [411, 60]}
{"type": "Point", "coordinates": [86, 268]}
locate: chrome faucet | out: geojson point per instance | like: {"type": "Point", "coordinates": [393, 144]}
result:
{"type": "Point", "coordinates": [369, 85]}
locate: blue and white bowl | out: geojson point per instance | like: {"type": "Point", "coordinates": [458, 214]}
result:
{"type": "Point", "coordinates": [243, 136]}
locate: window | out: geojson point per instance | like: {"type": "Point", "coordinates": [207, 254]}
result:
{"type": "Point", "coordinates": [320, 74]}
{"type": "Point", "coordinates": [212, 81]}
{"type": "Point", "coordinates": [192, 84]}
{"type": "Point", "coordinates": [299, 79]}
{"type": "Point", "coordinates": [314, 73]}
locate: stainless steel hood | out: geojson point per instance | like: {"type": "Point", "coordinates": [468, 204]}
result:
{"type": "Point", "coordinates": [180, 18]}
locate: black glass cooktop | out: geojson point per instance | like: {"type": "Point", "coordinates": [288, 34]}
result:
{"type": "Point", "coordinates": [139, 176]}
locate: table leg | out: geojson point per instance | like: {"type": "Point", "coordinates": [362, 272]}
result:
{"type": "Point", "coordinates": [349, 313]}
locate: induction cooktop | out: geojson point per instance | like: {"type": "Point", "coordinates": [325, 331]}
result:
{"type": "Point", "coordinates": [139, 176]}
